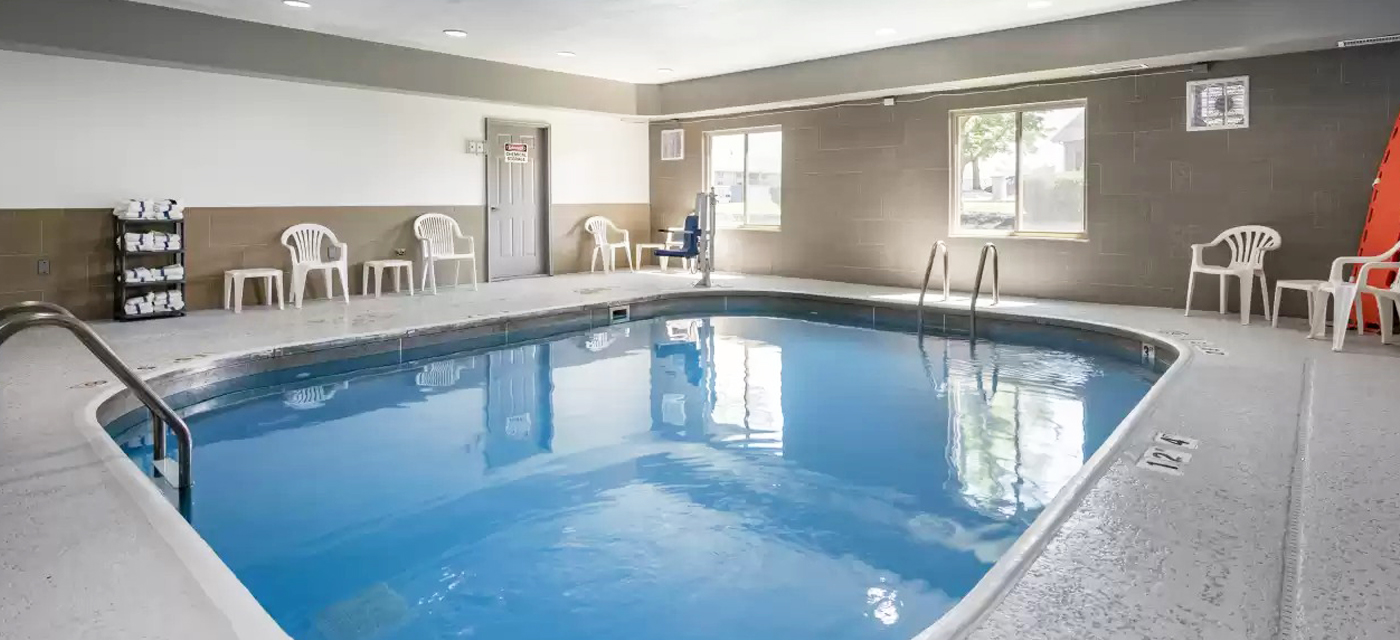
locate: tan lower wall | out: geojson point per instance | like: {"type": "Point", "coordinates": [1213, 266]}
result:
{"type": "Point", "coordinates": [79, 243]}
{"type": "Point", "coordinates": [573, 247]}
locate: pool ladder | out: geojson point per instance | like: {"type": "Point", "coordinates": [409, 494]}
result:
{"type": "Point", "coordinates": [938, 247]}
{"type": "Point", "coordinates": [988, 248]}
{"type": "Point", "coordinates": [941, 247]}
{"type": "Point", "coordinates": [26, 315]}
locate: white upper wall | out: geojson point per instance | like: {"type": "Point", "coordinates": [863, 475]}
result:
{"type": "Point", "coordinates": [87, 133]}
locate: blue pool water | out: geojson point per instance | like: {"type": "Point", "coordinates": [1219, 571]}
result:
{"type": "Point", "coordinates": [728, 477]}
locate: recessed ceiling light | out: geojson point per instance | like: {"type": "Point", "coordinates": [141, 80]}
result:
{"type": "Point", "coordinates": [1039, 4]}
{"type": "Point", "coordinates": [297, 4]}
{"type": "Point", "coordinates": [566, 54]}
{"type": "Point", "coordinates": [664, 70]}
{"type": "Point", "coordinates": [886, 32]}
{"type": "Point", "coordinates": [454, 33]}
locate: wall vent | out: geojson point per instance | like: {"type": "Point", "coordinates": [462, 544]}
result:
{"type": "Point", "coordinates": [1222, 103]}
{"type": "Point", "coordinates": [673, 144]}
{"type": "Point", "coordinates": [1362, 42]}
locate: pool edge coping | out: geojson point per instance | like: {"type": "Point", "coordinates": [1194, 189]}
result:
{"type": "Point", "coordinates": [247, 617]}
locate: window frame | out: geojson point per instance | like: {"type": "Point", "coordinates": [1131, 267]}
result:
{"type": "Point", "coordinates": [706, 174]}
{"type": "Point", "coordinates": [955, 229]}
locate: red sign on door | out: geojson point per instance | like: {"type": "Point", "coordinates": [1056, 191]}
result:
{"type": "Point", "coordinates": [517, 153]}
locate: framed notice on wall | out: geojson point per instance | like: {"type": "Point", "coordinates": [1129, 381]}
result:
{"type": "Point", "coordinates": [1222, 103]}
{"type": "Point", "coordinates": [517, 153]}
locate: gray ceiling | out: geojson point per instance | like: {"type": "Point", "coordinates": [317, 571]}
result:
{"type": "Point", "coordinates": [1186, 31]}
{"type": "Point", "coordinates": [630, 40]}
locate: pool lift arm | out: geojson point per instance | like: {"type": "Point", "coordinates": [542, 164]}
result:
{"type": "Point", "coordinates": [705, 204]}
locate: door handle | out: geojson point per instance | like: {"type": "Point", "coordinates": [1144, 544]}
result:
{"type": "Point", "coordinates": [494, 209]}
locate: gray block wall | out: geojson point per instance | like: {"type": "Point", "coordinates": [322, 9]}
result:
{"type": "Point", "coordinates": [866, 188]}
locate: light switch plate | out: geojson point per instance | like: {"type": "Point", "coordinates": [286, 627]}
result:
{"type": "Point", "coordinates": [476, 147]}
{"type": "Point", "coordinates": [43, 267]}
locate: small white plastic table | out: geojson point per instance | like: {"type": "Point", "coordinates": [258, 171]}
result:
{"type": "Point", "coordinates": [233, 287]}
{"type": "Point", "coordinates": [1311, 287]}
{"type": "Point", "coordinates": [399, 268]}
{"type": "Point", "coordinates": [670, 243]}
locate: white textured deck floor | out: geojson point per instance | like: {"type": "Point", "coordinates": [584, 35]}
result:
{"type": "Point", "coordinates": [1145, 555]}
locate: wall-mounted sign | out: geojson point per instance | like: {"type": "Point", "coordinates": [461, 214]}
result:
{"type": "Point", "coordinates": [517, 153]}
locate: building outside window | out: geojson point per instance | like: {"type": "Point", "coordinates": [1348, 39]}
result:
{"type": "Point", "coordinates": [745, 169]}
{"type": "Point", "coordinates": [1020, 170]}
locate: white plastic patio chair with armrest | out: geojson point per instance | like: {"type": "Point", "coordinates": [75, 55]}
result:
{"type": "Point", "coordinates": [1349, 294]}
{"type": "Point", "coordinates": [304, 242]}
{"type": "Point", "coordinates": [437, 236]}
{"type": "Point", "coordinates": [601, 228]}
{"type": "Point", "coordinates": [1247, 244]}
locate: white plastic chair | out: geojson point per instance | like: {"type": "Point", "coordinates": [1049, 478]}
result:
{"type": "Point", "coordinates": [437, 236]}
{"type": "Point", "coordinates": [304, 242]}
{"type": "Point", "coordinates": [1248, 244]}
{"type": "Point", "coordinates": [603, 246]}
{"type": "Point", "coordinates": [1350, 294]}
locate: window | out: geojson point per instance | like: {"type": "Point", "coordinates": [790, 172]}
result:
{"type": "Point", "coordinates": [1020, 171]}
{"type": "Point", "coordinates": [745, 169]}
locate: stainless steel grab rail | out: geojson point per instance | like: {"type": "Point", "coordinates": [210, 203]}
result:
{"type": "Point", "coordinates": [31, 306]}
{"type": "Point", "coordinates": [26, 317]}
{"type": "Point", "coordinates": [928, 272]}
{"type": "Point", "coordinates": [977, 283]}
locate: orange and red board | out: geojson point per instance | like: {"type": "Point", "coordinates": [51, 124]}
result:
{"type": "Point", "coordinates": [1382, 229]}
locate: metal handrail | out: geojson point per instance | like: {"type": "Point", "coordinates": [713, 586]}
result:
{"type": "Point", "coordinates": [977, 282]}
{"type": "Point", "coordinates": [31, 306]}
{"type": "Point", "coordinates": [928, 272]}
{"type": "Point", "coordinates": [161, 413]}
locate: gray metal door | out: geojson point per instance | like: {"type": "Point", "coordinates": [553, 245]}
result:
{"type": "Point", "coordinates": [517, 200]}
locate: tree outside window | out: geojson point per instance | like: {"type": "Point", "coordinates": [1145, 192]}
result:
{"type": "Point", "coordinates": [1020, 170]}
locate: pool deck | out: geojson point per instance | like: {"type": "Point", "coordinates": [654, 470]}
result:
{"type": "Point", "coordinates": [1283, 524]}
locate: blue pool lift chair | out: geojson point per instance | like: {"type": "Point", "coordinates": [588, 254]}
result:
{"type": "Point", "coordinates": [690, 247]}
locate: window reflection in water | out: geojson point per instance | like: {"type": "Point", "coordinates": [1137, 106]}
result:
{"type": "Point", "coordinates": [748, 394]}
{"type": "Point", "coordinates": [1012, 445]}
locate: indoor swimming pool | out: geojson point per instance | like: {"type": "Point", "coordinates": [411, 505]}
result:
{"type": "Point", "coordinates": [672, 478]}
